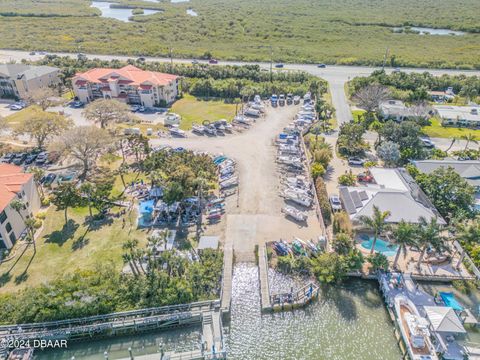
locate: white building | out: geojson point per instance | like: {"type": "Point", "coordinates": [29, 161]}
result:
{"type": "Point", "coordinates": [15, 184]}
{"type": "Point", "coordinates": [468, 116]}
{"type": "Point", "coordinates": [19, 80]}
{"type": "Point", "coordinates": [128, 84]}
{"type": "Point", "coordinates": [394, 110]}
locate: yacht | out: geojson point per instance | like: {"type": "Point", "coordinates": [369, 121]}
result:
{"type": "Point", "coordinates": [414, 329]}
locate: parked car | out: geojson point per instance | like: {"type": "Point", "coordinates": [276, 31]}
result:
{"type": "Point", "coordinates": [141, 59]}
{"type": "Point", "coordinates": [213, 61]}
{"type": "Point", "coordinates": [427, 143]}
{"type": "Point", "coordinates": [321, 66]}
{"type": "Point", "coordinates": [77, 104]}
{"type": "Point", "coordinates": [335, 203]}
{"type": "Point", "coordinates": [135, 108]}
{"type": "Point", "coordinates": [19, 158]}
{"type": "Point", "coordinates": [365, 177]}
{"type": "Point", "coordinates": [195, 62]}
{"type": "Point", "coordinates": [49, 179]}
{"type": "Point", "coordinates": [7, 158]}
{"type": "Point", "coordinates": [356, 161]}
{"type": "Point", "coordinates": [279, 66]}
{"type": "Point", "coordinates": [281, 100]}
{"type": "Point", "coordinates": [289, 99]}
{"type": "Point", "coordinates": [16, 106]}
{"type": "Point", "coordinates": [30, 159]}
{"type": "Point", "coordinates": [41, 159]}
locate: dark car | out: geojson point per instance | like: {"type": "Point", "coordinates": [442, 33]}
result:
{"type": "Point", "coordinates": [141, 59]}
{"type": "Point", "coordinates": [279, 66]}
{"type": "Point", "coordinates": [321, 66]}
{"type": "Point", "coordinates": [41, 159]}
{"type": "Point", "coordinates": [213, 61]}
{"type": "Point", "coordinates": [77, 104]}
{"type": "Point", "coordinates": [8, 158]}
{"type": "Point", "coordinates": [49, 179]}
{"type": "Point", "coordinates": [30, 159]}
{"type": "Point", "coordinates": [19, 159]}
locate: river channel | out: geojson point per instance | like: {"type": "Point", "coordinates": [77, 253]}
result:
{"type": "Point", "coordinates": [348, 321]}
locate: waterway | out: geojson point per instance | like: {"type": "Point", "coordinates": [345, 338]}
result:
{"type": "Point", "coordinates": [430, 31]}
{"type": "Point", "coordinates": [116, 13]}
{"type": "Point", "coordinates": [348, 321]}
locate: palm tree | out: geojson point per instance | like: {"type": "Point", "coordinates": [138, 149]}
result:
{"type": "Point", "coordinates": [454, 140]}
{"type": "Point", "coordinates": [376, 223]}
{"type": "Point", "coordinates": [19, 206]}
{"type": "Point", "coordinates": [404, 235]}
{"type": "Point", "coordinates": [131, 247]}
{"type": "Point", "coordinates": [429, 235]}
{"type": "Point", "coordinates": [468, 233]}
{"type": "Point", "coordinates": [469, 137]}
{"type": "Point", "coordinates": [127, 259]}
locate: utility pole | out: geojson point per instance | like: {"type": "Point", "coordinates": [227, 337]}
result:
{"type": "Point", "coordinates": [171, 58]}
{"type": "Point", "coordinates": [385, 59]}
{"type": "Point", "coordinates": [271, 63]}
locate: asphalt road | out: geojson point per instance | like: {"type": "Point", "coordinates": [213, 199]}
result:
{"type": "Point", "coordinates": [336, 76]}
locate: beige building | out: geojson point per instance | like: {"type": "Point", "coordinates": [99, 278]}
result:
{"type": "Point", "coordinates": [19, 80]}
{"type": "Point", "coordinates": [15, 184]}
{"type": "Point", "coordinates": [128, 84]}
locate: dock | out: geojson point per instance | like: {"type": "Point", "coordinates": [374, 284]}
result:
{"type": "Point", "coordinates": [263, 275]}
{"type": "Point", "coordinates": [226, 294]}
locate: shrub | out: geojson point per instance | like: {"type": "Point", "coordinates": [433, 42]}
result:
{"type": "Point", "coordinates": [41, 215]}
{"type": "Point", "coordinates": [45, 201]}
{"type": "Point", "coordinates": [378, 262]}
{"type": "Point", "coordinates": [323, 156]}
{"type": "Point", "coordinates": [323, 200]}
{"type": "Point", "coordinates": [347, 179]}
{"type": "Point", "coordinates": [317, 170]}
{"type": "Point", "coordinates": [342, 243]}
{"type": "Point", "coordinates": [342, 223]}
{"type": "Point", "coordinates": [38, 224]}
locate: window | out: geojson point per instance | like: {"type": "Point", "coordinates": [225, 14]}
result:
{"type": "Point", "coordinates": [3, 217]}
{"type": "Point", "coordinates": [2, 244]}
{"type": "Point", "coordinates": [8, 227]}
{"type": "Point", "coordinates": [13, 238]}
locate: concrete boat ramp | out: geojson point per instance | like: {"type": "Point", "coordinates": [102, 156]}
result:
{"type": "Point", "coordinates": [395, 284]}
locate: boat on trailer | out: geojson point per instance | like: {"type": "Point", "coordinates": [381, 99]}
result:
{"type": "Point", "coordinates": [297, 198]}
{"type": "Point", "coordinates": [176, 131]}
{"type": "Point", "coordinates": [414, 329]}
{"type": "Point", "coordinates": [199, 129]}
{"type": "Point", "coordinates": [294, 213]}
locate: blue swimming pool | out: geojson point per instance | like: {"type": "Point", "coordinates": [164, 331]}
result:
{"type": "Point", "coordinates": [381, 246]}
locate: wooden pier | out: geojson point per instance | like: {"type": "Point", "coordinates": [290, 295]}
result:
{"type": "Point", "coordinates": [226, 294]}
{"type": "Point", "coordinates": [263, 277]}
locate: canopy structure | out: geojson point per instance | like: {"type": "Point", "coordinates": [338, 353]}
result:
{"type": "Point", "coordinates": [450, 301]}
{"type": "Point", "coordinates": [444, 319]}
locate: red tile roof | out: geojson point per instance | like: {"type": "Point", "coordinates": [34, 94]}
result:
{"type": "Point", "coordinates": [11, 180]}
{"type": "Point", "coordinates": [127, 75]}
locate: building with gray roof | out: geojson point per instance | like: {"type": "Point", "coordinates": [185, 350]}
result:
{"type": "Point", "coordinates": [19, 80]}
{"type": "Point", "coordinates": [467, 169]}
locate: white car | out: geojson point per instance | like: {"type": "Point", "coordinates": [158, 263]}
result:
{"type": "Point", "coordinates": [355, 161]}
{"type": "Point", "coordinates": [16, 107]}
{"type": "Point", "coordinates": [427, 142]}
{"type": "Point", "coordinates": [335, 203]}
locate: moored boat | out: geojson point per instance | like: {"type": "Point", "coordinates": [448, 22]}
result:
{"type": "Point", "coordinates": [414, 329]}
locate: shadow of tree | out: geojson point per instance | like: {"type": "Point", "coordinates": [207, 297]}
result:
{"type": "Point", "coordinates": [5, 278]}
{"type": "Point", "coordinates": [80, 243]}
{"type": "Point", "coordinates": [343, 301]}
{"type": "Point", "coordinates": [94, 225]}
{"type": "Point", "coordinates": [21, 278]}
{"type": "Point", "coordinates": [59, 237]}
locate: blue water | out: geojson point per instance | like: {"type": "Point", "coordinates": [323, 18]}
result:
{"type": "Point", "coordinates": [118, 14]}
{"type": "Point", "coordinates": [381, 246]}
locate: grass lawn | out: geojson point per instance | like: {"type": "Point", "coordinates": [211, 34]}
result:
{"type": "Point", "coordinates": [194, 110]}
{"type": "Point", "coordinates": [62, 248]}
{"type": "Point", "coordinates": [357, 115]}
{"type": "Point", "coordinates": [437, 130]}
{"type": "Point", "coordinates": [23, 115]}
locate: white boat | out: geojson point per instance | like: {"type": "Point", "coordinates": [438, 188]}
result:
{"type": "Point", "coordinates": [242, 120]}
{"type": "Point", "coordinates": [229, 183]}
{"type": "Point", "coordinates": [227, 170]}
{"type": "Point", "coordinates": [289, 160]}
{"type": "Point", "coordinates": [199, 129]}
{"type": "Point", "coordinates": [210, 130]}
{"type": "Point", "coordinates": [294, 213]}
{"type": "Point", "coordinates": [414, 329]}
{"type": "Point", "coordinates": [297, 181]}
{"type": "Point", "coordinates": [227, 163]}
{"type": "Point", "coordinates": [176, 131]}
{"type": "Point", "coordinates": [258, 107]}
{"type": "Point", "coordinates": [252, 112]}
{"type": "Point", "coordinates": [297, 198]}
{"type": "Point", "coordinates": [299, 191]}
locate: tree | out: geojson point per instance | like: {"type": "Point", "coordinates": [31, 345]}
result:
{"type": "Point", "coordinates": [38, 174]}
{"type": "Point", "coordinates": [404, 235]}
{"type": "Point", "coordinates": [454, 140]}
{"type": "Point", "coordinates": [329, 268]}
{"type": "Point", "coordinates": [342, 243]}
{"type": "Point", "coordinates": [44, 97]}
{"type": "Point", "coordinates": [350, 139]}
{"type": "Point", "coordinates": [66, 195]}
{"type": "Point", "coordinates": [83, 143]}
{"type": "Point", "coordinates": [376, 223]}
{"type": "Point", "coordinates": [469, 137]}
{"type": "Point", "coordinates": [429, 236]}
{"type": "Point", "coordinates": [43, 125]}
{"type": "Point", "coordinates": [20, 207]}
{"type": "Point", "coordinates": [378, 261]}
{"type": "Point", "coordinates": [347, 179]}
{"type": "Point", "coordinates": [407, 136]}
{"type": "Point", "coordinates": [389, 152]}
{"type": "Point", "coordinates": [106, 112]}
{"type": "Point", "coordinates": [468, 234]}
{"type": "Point", "coordinates": [451, 194]}
{"type": "Point", "coordinates": [317, 170]}
{"type": "Point", "coordinates": [370, 97]}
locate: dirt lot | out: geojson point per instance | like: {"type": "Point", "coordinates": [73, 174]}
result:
{"type": "Point", "coordinates": [254, 214]}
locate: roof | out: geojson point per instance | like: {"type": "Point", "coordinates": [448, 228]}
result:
{"type": "Point", "coordinates": [468, 169]}
{"type": "Point", "coordinates": [129, 74]}
{"type": "Point", "coordinates": [27, 71]}
{"type": "Point", "coordinates": [444, 319]}
{"type": "Point", "coordinates": [395, 108]}
{"type": "Point", "coordinates": [394, 191]}
{"type": "Point", "coordinates": [467, 113]}
{"type": "Point", "coordinates": [208, 242]}
{"type": "Point", "coordinates": [11, 180]}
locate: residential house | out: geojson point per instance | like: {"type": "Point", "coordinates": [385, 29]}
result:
{"type": "Point", "coordinates": [128, 84]}
{"type": "Point", "coordinates": [394, 110]}
{"type": "Point", "coordinates": [20, 80]}
{"type": "Point", "coordinates": [393, 190]}
{"type": "Point", "coordinates": [461, 116]}
{"type": "Point", "coordinates": [467, 169]}
{"type": "Point", "coordinates": [15, 184]}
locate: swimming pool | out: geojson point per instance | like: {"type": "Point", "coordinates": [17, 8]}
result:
{"type": "Point", "coordinates": [381, 246]}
